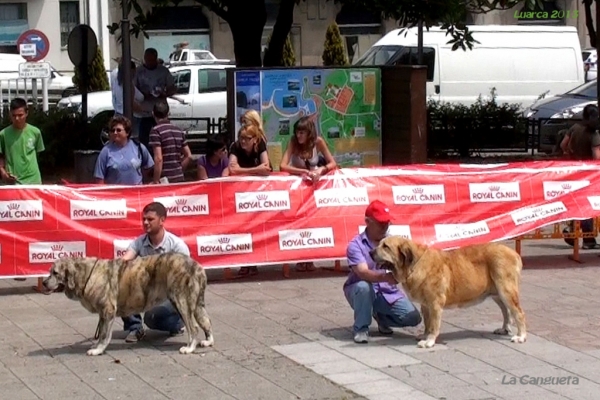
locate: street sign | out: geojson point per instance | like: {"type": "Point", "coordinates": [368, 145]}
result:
{"type": "Point", "coordinates": [27, 50]}
{"type": "Point", "coordinates": [34, 70]}
{"type": "Point", "coordinates": [82, 45]}
{"type": "Point", "coordinates": [37, 38]}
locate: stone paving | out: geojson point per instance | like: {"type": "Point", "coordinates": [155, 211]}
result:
{"type": "Point", "coordinates": [290, 339]}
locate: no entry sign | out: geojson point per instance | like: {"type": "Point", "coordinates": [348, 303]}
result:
{"type": "Point", "coordinates": [37, 38]}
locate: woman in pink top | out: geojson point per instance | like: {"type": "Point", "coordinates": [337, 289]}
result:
{"type": "Point", "coordinates": [215, 163]}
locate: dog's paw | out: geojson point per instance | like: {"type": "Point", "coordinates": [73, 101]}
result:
{"type": "Point", "coordinates": [421, 337]}
{"type": "Point", "coordinates": [502, 331]}
{"type": "Point", "coordinates": [426, 344]}
{"type": "Point", "coordinates": [206, 343]}
{"type": "Point", "coordinates": [518, 339]}
{"type": "Point", "coordinates": [186, 350]}
{"type": "Point", "coordinates": [94, 352]}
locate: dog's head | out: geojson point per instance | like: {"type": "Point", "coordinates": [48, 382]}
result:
{"type": "Point", "coordinates": [62, 272]}
{"type": "Point", "coordinates": [395, 254]}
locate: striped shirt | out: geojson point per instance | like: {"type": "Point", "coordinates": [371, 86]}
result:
{"type": "Point", "coordinates": [171, 140]}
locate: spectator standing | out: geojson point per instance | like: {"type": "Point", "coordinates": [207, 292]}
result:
{"type": "Point", "coordinates": [20, 144]}
{"type": "Point", "coordinates": [116, 87]}
{"type": "Point", "coordinates": [171, 151]}
{"type": "Point", "coordinates": [156, 83]}
{"type": "Point", "coordinates": [123, 160]}
{"type": "Point", "coordinates": [215, 162]}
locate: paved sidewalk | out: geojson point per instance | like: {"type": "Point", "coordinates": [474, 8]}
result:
{"type": "Point", "coordinates": [290, 339]}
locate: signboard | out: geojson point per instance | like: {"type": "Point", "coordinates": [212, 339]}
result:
{"type": "Point", "coordinates": [345, 104]}
{"type": "Point", "coordinates": [27, 50]}
{"type": "Point", "coordinates": [34, 70]}
{"type": "Point", "coordinates": [36, 38]}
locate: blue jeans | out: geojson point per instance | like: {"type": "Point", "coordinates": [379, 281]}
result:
{"type": "Point", "coordinates": [365, 303]}
{"type": "Point", "coordinates": [164, 317]}
{"type": "Point", "coordinates": [133, 323]}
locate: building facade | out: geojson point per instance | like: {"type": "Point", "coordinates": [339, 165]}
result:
{"type": "Point", "coordinates": [205, 30]}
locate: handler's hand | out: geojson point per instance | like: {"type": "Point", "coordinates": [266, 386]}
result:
{"type": "Point", "coordinates": [389, 278]}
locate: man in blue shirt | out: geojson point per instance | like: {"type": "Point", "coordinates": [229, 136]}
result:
{"type": "Point", "coordinates": [373, 292]}
{"type": "Point", "coordinates": [156, 240]}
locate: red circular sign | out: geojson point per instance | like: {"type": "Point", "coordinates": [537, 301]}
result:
{"type": "Point", "coordinates": [42, 44]}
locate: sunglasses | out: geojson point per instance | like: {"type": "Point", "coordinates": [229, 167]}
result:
{"type": "Point", "coordinates": [118, 130]}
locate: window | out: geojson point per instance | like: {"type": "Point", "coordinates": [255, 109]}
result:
{"type": "Point", "coordinates": [212, 80]}
{"type": "Point", "coordinates": [13, 11]}
{"type": "Point", "coordinates": [182, 81]}
{"type": "Point", "coordinates": [69, 19]}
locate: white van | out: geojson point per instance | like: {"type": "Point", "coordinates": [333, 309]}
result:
{"type": "Point", "coordinates": [522, 62]}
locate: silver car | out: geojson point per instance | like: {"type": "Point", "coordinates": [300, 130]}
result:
{"type": "Point", "coordinates": [553, 114]}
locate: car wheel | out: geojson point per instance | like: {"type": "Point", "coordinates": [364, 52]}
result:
{"type": "Point", "coordinates": [100, 124]}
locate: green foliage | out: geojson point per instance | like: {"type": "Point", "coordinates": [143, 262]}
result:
{"type": "Point", "coordinates": [63, 133]}
{"type": "Point", "coordinates": [483, 124]}
{"type": "Point", "coordinates": [98, 79]}
{"type": "Point", "coordinates": [334, 53]}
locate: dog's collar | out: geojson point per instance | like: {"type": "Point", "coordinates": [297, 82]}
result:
{"type": "Point", "coordinates": [89, 277]}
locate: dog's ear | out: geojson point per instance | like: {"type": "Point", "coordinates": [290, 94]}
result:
{"type": "Point", "coordinates": [405, 252]}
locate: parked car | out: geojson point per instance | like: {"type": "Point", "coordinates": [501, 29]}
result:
{"type": "Point", "coordinates": [507, 57]}
{"type": "Point", "coordinates": [201, 93]}
{"type": "Point", "coordinates": [559, 112]}
{"type": "Point", "coordinates": [590, 63]}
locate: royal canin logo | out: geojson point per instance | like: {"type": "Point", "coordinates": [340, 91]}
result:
{"type": "Point", "coordinates": [185, 205]}
{"type": "Point", "coordinates": [450, 232]}
{"type": "Point", "coordinates": [494, 192]}
{"type": "Point", "coordinates": [98, 209]}
{"type": "Point", "coordinates": [419, 194]}
{"type": "Point", "coordinates": [312, 238]}
{"type": "Point", "coordinates": [532, 214]}
{"type": "Point", "coordinates": [21, 210]}
{"type": "Point", "coordinates": [341, 197]}
{"type": "Point", "coordinates": [211, 245]}
{"type": "Point", "coordinates": [48, 252]}
{"type": "Point", "coordinates": [554, 189]}
{"type": "Point", "coordinates": [274, 200]}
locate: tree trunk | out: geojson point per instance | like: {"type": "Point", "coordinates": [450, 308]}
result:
{"type": "Point", "coordinates": [247, 20]}
{"type": "Point", "coordinates": [281, 30]}
{"type": "Point", "coordinates": [589, 22]}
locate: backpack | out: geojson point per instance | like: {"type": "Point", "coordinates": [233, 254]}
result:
{"type": "Point", "coordinates": [141, 153]}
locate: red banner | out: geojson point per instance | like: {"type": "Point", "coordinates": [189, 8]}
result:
{"type": "Point", "coordinates": [255, 220]}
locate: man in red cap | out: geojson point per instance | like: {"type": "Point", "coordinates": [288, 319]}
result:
{"type": "Point", "coordinates": [373, 292]}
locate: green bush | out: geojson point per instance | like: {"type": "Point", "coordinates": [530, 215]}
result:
{"type": "Point", "coordinates": [98, 79]}
{"type": "Point", "coordinates": [483, 125]}
{"type": "Point", "coordinates": [63, 133]}
{"type": "Point", "coordinates": [334, 53]}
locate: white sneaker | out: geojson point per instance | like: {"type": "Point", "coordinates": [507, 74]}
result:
{"type": "Point", "coordinates": [361, 337]}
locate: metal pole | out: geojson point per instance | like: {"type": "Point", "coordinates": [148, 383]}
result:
{"type": "Point", "coordinates": [126, 63]}
{"type": "Point", "coordinates": [420, 43]}
{"type": "Point", "coordinates": [45, 94]}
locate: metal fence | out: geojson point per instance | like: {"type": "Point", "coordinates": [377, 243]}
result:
{"type": "Point", "coordinates": [198, 132]}
{"type": "Point", "coordinates": [34, 91]}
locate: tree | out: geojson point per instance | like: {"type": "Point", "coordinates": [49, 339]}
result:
{"type": "Point", "coordinates": [288, 57]}
{"type": "Point", "coordinates": [334, 52]}
{"type": "Point", "coordinates": [247, 20]}
{"type": "Point", "coordinates": [97, 73]}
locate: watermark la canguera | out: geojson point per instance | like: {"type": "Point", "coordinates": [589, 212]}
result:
{"type": "Point", "coordinates": [539, 380]}
{"type": "Point", "coordinates": [554, 14]}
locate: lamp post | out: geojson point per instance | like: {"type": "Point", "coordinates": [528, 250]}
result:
{"type": "Point", "coordinates": [126, 62]}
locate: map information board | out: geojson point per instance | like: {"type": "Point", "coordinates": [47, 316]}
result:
{"type": "Point", "coordinates": [345, 104]}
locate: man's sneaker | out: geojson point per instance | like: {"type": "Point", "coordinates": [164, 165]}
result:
{"type": "Point", "coordinates": [361, 337]}
{"type": "Point", "coordinates": [135, 336]}
{"type": "Point", "coordinates": [383, 329]}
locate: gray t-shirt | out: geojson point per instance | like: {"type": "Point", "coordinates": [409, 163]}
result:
{"type": "Point", "coordinates": [147, 80]}
{"type": "Point", "coordinates": [171, 243]}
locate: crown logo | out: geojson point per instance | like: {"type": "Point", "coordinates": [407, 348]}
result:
{"type": "Point", "coordinates": [305, 234]}
{"type": "Point", "coordinates": [224, 240]}
{"type": "Point", "coordinates": [57, 247]}
{"type": "Point", "coordinates": [418, 190]}
{"type": "Point", "coordinates": [181, 202]}
{"type": "Point", "coordinates": [13, 206]}
{"type": "Point", "coordinates": [494, 188]}
{"type": "Point", "coordinates": [566, 186]}
{"type": "Point", "coordinates": [261, 197]}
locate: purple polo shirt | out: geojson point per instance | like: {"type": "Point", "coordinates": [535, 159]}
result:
{"type": "Point", "coordinates": [358, 252]}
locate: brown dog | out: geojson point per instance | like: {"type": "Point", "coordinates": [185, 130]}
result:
{"type": "Point", "coordinates": [455, 278]}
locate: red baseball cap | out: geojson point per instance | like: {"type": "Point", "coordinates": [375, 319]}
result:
{"type": "Point", "coordinates": [379, 211]}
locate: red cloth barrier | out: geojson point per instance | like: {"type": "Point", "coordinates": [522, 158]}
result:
{"type": "Point", "coordinates": [281, 218]}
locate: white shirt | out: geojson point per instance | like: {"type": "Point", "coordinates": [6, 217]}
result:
{"type": "Point", "coordinates": [117, 92]}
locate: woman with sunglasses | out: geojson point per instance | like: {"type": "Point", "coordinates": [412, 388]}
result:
{"type": "Point", "coordinates": [123, 161]}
